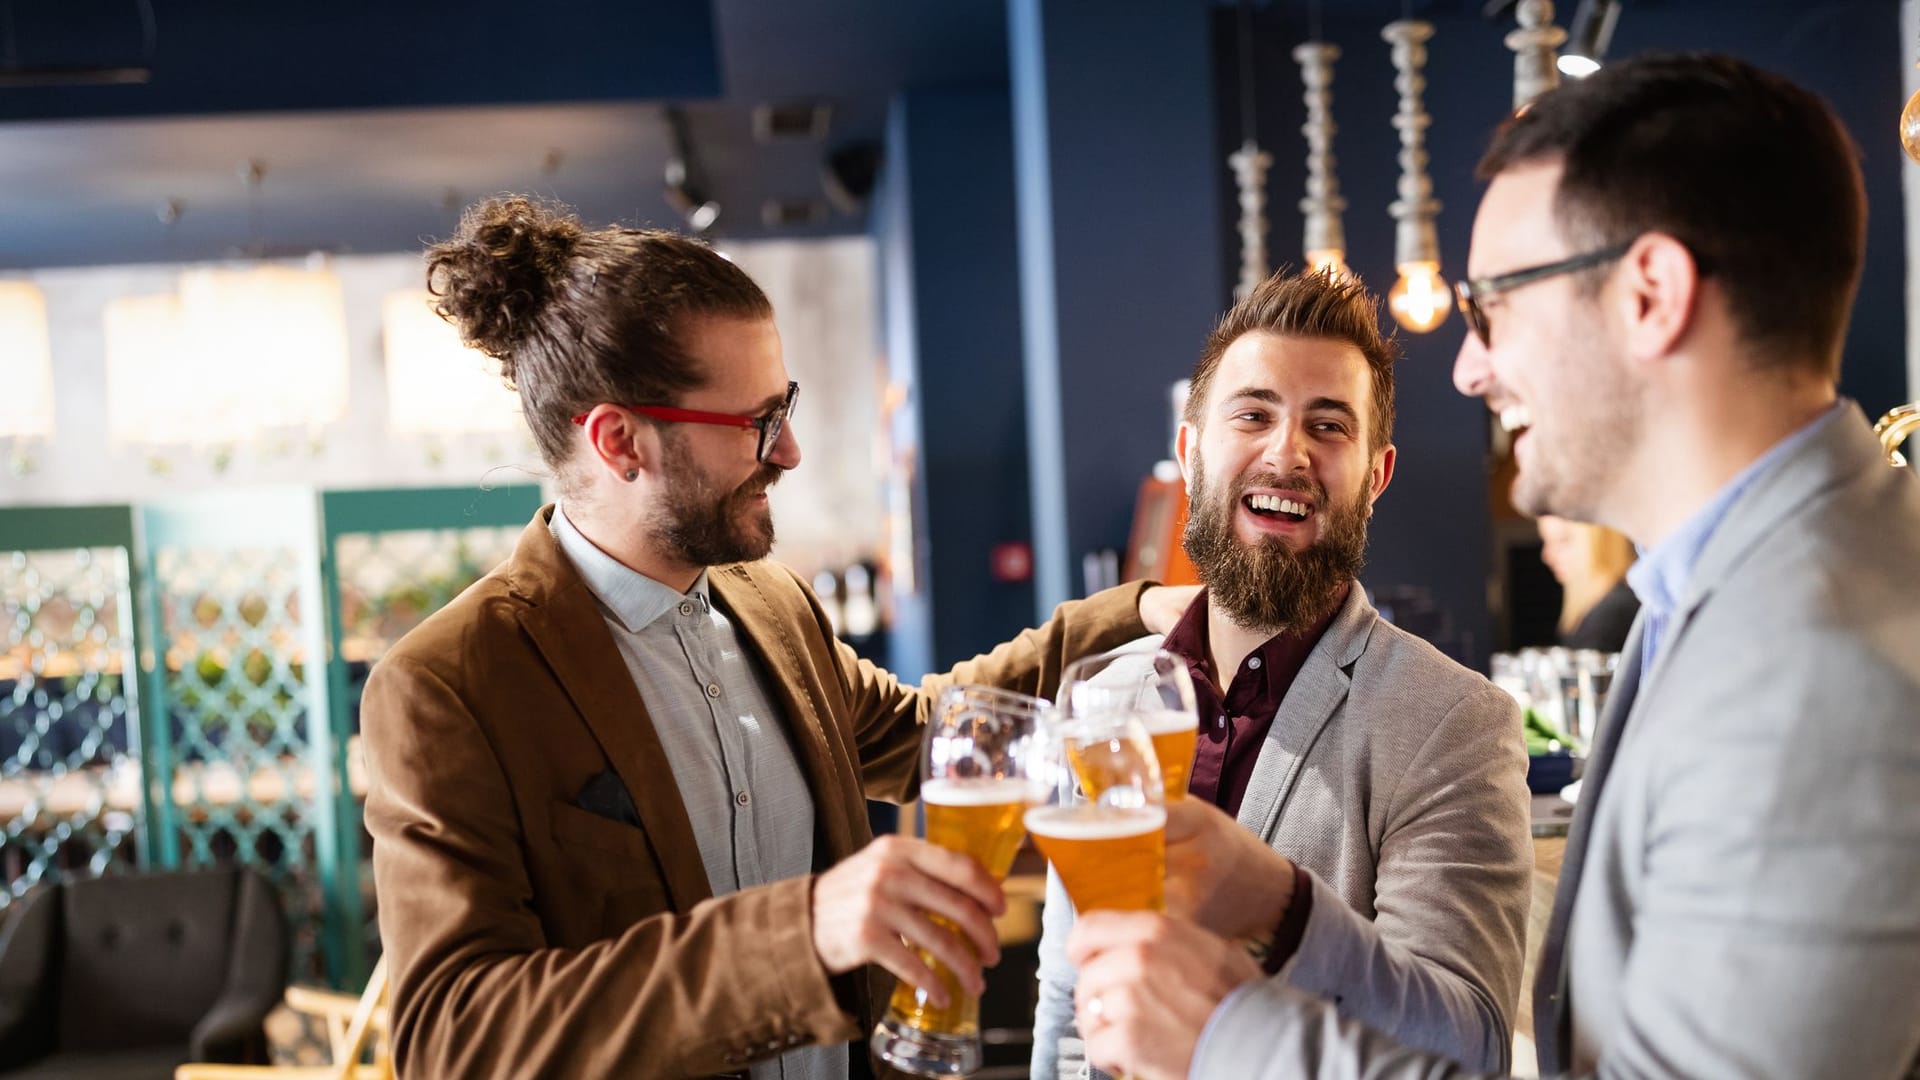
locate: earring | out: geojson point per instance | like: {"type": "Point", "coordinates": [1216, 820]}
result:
{"type": "Point", "coordinates": [632, 475]}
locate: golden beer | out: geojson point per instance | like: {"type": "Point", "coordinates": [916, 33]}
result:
{"type": "Point", "coordinates": [1109, 858]}
{"type": "Point", "coordinates": [1107, 752]}
{"type": "Point", "coordinates": [980, 818]}
{"type": "Point", "coordinates": [1175, 736]}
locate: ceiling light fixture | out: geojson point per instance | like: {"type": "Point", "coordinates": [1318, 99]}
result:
{"type": "Point", "coordinates": [1419, 300]}
{"type": "Point", "coordinates": [1324, 236]}
{"type": "Point", "coordinates": [798, 121]}
{"type": "Point", "coordinates": [1250, 164]}
{"type": "Point", "coordinates": [1593, 23]}
{"type": "Point", "coordinates": [685, 188]}
{"type": "Point", "coordinates": [849, 173]}
{"type": "Point", "coordinates": [1533, 45]}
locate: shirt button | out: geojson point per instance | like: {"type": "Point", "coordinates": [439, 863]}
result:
{"type": "Point", "coordinates": [713, 690]}
{"type": "Point", "coordinates": [742, 798]}
{"type": "Point", "coordinates": [686, 609]}
{"type": "Point", "coordinates": [1221, 723]}
{"type": "Point", "coordinates": [1253, 662]}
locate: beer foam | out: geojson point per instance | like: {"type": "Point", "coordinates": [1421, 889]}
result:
{"type": "Point", "coordinates": [1101, 823]}
{"type": "Point", "coordinates": [1168, 721]}
{"type": "Point", "coordinates": [990, 791]}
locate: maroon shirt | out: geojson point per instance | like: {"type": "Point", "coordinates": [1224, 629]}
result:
{"type": "Point", "coordinates": [1233, 725]}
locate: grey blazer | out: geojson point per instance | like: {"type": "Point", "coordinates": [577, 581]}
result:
{"type": "Point", "coordinates": [1397, 778]}
{"type": "Point", "coordinates": [1741, 893]}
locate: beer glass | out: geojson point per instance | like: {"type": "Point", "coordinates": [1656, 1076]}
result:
{"type": "Point", "coordinates": [1152, 686]}
{"type": "Point", "coordinates": [983, 763]}
{"type": "Point", "coordinates": [1108, 843]}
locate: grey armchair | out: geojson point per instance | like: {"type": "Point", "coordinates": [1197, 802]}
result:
{"type": "Point", "coordinates": [123, 978]}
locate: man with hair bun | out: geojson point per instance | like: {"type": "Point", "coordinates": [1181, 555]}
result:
{"type": "Point", "coordinates": [617, 788]}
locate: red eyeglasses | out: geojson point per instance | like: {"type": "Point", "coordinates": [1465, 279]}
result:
{"type": "Point", "coordinates": [769, 423]}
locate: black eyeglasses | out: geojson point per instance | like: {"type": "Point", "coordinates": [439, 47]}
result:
{"type": "Point", "coordinates": [1475, 293]}
{"type": "Point", "coordinates": [769, 423]}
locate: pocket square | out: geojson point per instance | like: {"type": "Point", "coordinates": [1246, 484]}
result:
{"type": "Point", "coordinates": [606, 796]}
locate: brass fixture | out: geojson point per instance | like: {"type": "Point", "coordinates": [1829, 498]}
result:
{"type": "Point", "coordinates": [1893, 430]}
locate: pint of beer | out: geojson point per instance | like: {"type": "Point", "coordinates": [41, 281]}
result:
{"type": "Point", "coordinates": [986, 757]}
{"type": "Point", "coordinates": [1109, 858]}
{"type": "Point", "coordinates": [1153, 687]}
{"type": "Point", "coordinates": [1108, 841]}
{"type": "Point", "coordinates": [1109, 752]}
{"type": "Point", "coordinates": [1175, 736]}
{"type": "Point", "coordinates": [980, 818]}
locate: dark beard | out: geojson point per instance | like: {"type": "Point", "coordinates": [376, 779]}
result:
{"type": "Point", "coordinates": [1267, 586]}
{"type": "Point", "coordinates": [704, 530]}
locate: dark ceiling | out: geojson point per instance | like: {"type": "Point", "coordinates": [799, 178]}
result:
{"type": "Point", "coordinates": [373, 121]}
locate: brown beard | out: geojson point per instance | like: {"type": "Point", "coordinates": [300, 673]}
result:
{"type": "Point", "coordinates": [703, 530]}
{"type": "Point", "coordinates": [1266, 586]}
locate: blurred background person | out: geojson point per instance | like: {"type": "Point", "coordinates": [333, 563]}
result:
{"type": "Point", "coordinates": [1590, 562]}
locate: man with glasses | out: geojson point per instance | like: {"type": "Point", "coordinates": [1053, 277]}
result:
{"type": "Point", "coordinates": [617, 789]}
{"type": "Point", "coordinates": [1661, 275]}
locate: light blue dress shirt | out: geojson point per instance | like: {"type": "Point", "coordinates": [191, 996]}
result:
{"type": "Point", "coordinates": [1659, 579]}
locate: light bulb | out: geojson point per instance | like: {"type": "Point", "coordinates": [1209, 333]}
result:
{"type": "Point", "coordinates": [1575, 66]}
{"type": "Point", "coordinates": [1419, 300]}
{"type": "Point", "coordinates": [1330, 261]}
{"type": "Point", "coordinates": [1910, 127]}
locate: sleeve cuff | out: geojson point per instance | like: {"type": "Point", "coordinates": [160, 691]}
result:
{"type": "Point", "coordinates": [820, 1005]}
{"type": "Point", "coordinates": [1292, 929]}
{"type": "Point", "coordinates": [1257, 1014]}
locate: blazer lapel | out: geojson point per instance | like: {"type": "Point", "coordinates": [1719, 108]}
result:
{"type": "Point", "coordinates": [1552, 1009]}
{"type": "Point", "coordinates": [1840, 451]}
{"type": "Point", "coordinates": [567, 627]}
{"type": "Point", "coordinates": [1316, 693]}
{"type": "Point", "coordinates": [770, 635]}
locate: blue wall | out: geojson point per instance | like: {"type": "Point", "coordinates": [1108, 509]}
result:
{"type": "Point", "coordinates": [1120, 254]}
{"type": "Point", "coordinates": [952, 302]}
{"type": "Point", "coordinates": [1432, 527]}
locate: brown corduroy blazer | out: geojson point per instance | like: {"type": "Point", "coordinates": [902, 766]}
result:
{"type": "Point", "coordinates": [528, 936]}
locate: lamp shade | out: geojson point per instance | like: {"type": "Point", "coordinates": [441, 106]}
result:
{"type": "Point", "coordinates": [435, 384]}
{"type": "Point", "coordinates": [160, 389]}
{"type": "Point", "coordinates": [26, 363]}
{"type": "Point", "coordinates": [276, 337]}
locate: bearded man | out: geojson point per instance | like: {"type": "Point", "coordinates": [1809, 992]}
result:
{"type": "Point", "coordinates": [617, 789]}
{"type": "Point", "coordinates": [1391, 779]}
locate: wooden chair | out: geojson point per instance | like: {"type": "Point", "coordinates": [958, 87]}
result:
{"type": "Point", "coordinates": [351, 1023]}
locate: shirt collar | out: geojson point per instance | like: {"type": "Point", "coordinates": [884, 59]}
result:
{"type": "Point", "coordinates": [1189, 640]}
{"type": "Point", "coordinates": [1659, 579]}
{"type": "Point", "coordinates": [633, 598]}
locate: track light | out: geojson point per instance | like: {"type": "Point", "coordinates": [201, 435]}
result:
{"type": "Point", "coordinates": [1593, 23]}
{"type": "Point", "coordinates": [683, 188]}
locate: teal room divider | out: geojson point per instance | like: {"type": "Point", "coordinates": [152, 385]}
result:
{"type": "Point", "coordinates": [252, 619]}
{"type": "Point", "coordinates": [393, 557]}
{"type": "Point", "coordinates": [70, 740]}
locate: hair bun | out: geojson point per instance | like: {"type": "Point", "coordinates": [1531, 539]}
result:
{"type": "Point", "coordinates": [499, 269]}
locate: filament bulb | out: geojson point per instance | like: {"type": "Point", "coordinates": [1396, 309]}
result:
{"type": "Point", "coordinates": [1419, 300]}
